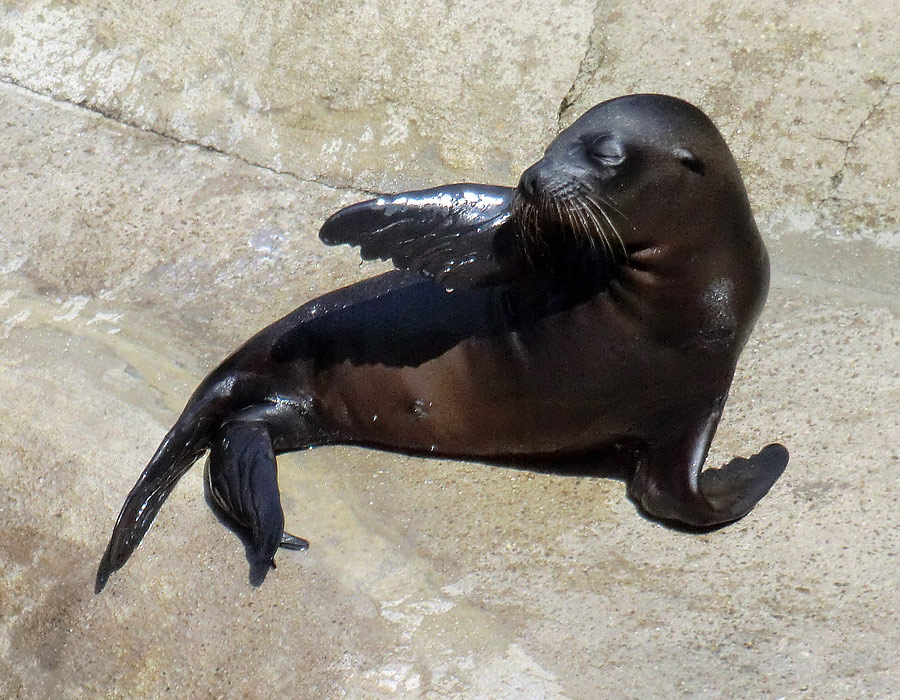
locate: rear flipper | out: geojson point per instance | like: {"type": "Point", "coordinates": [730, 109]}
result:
{"type": "Point", "coordinates": [242, 489]}
{"type": "Point", "coordinates": [668, 483]}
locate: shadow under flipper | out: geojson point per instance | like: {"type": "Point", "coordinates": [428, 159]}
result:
{"type": "Point", "coordinates": [734, 487]}
{"type": "Point", "coordinates": [613, 462]}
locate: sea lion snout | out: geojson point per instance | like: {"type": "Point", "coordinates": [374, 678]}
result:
{"type": "Point", "coordinates": [531, 183]}
{"type": "Point", "coordinates": [549, 181]}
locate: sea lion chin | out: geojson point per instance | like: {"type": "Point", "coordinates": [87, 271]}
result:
{"type": "Point", "coordinates": [598, 307]}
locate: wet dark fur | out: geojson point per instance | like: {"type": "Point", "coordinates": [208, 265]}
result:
{"type": "Point", "coordinates": [597, 313]}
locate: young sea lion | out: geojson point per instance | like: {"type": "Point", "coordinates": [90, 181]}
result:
{"type": "Point", "coordinates": [600, 305]}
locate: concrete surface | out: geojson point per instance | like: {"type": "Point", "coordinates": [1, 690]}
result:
{"type": "Point", "coordinates": [163, 171]}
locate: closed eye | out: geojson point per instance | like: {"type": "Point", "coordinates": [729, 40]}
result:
{"type": "Point", "coordinates": [606, 149]}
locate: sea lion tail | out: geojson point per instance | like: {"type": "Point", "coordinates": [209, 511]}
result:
{"type": "Point", "coordinates": [183, 445]}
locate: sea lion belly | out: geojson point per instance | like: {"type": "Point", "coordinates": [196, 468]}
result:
{"type": "Point", "coordinates": [562, 384]}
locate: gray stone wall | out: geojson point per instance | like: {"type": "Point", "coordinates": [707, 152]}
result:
{"type": "Point", "coordinates": [164, 168]}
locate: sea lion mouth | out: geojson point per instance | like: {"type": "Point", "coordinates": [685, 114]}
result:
{"type": "Point", "coordinates": [577, 216]}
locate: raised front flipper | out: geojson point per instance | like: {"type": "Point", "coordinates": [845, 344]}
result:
{"type": "Point", "coordinates": [242, 489]}
{"type": "Point", "coordinates": [668, 483]}
{"type": "Point", "coordinates": [459, 235]}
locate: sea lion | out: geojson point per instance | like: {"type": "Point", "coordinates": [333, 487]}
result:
{"type": "Point", "coordinates": [599, 306]}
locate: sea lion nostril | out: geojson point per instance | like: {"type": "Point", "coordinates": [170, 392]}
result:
{"type": "Point", "coordinates": [529, 183]}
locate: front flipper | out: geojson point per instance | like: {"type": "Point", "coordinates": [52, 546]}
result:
{"type": "Point", "coordinates": [242, 489]}
{"type": "Point", "coordinates": [460, 235]}
{"type": "Point", "coordinates": [737, 486]}
{"type": "Point", "coordinates": [668, 483]}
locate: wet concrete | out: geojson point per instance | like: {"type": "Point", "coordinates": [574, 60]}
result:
{"type": "Point", "coordinates": [131, 263]}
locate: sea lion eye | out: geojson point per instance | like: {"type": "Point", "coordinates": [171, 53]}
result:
{"type": "Point", "coordinates": [690, 161]}
{"type": "Point", "coordinates": [607, 150]}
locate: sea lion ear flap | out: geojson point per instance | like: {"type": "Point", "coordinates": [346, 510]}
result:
{"type": "Point", "coordinates": [689, 160]}
{"type": "Point", "coordinates": [456, 234]}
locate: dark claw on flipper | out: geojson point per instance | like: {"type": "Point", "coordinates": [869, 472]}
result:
{"type": "Point", "coordinates": [292, 542]}
{"type": "Point", "coordinates": [103, 573]}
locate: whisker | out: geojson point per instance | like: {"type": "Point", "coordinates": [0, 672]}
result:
{"type": "Point", "coordinates": [597, 201]}
{"type": "Point", "coordinates": [602, 224]}
{"type": "Point", "coordinates": [601, 234]}
{"type": "Point", "coordinates": [611, 205]}
{"type": "Point", "coordinates": [588, 217]}
{"type": "Point", "coordinates": [586, 231]}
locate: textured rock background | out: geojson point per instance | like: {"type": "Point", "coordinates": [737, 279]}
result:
{"type": "Point", "coordinates": [164, 168]}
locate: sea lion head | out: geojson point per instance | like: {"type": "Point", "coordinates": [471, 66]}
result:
{"type": "Point", "coordinates": [632, 173]}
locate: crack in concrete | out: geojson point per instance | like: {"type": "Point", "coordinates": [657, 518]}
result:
{"type": "Point", "coordinates": [106, 114]}
{"type": "Point", "coordinates": [587, 69]}
{"type": "Point", "coordinates": [838, 177]}
{"type": "Point", "coordinates": [832, 139]}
